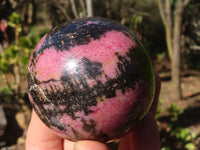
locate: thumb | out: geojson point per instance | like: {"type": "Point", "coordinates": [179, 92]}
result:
{"type": "Point", "coordinates": [90, 145]}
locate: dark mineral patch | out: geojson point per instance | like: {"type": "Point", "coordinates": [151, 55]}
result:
{"type": "Point", "coordinates": [88, 126]}
{"type": "Point", "coordinates": [92, 69]}
{"type": "Point", "coordinates": [78, 32]}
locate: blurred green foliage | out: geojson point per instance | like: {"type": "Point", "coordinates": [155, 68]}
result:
{"type": "Point", "coordinates": [14, 20]}
{"type": "Point", "coordinates": [173, 136]}
{"type": "Point", "coordinates": [14, 59]}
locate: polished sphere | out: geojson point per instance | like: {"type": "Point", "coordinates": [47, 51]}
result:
{"type": "Point", "coordinates": [90, 79]}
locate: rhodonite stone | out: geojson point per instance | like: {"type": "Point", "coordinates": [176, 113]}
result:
{"type": "Point", "coordinates": [90, 79]}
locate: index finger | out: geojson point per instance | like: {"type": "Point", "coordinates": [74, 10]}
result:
{"type": "Point", "coordinates": [40, 137]}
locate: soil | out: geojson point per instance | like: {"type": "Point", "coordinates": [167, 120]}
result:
{"type": "Point", "coordinates": [18, 113]}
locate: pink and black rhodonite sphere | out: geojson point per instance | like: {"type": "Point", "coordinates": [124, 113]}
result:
{"type": "Point", "coordinates": [90, 79]}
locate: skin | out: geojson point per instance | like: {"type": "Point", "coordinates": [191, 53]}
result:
{"type": "Point", "coordinates": [144, 136]}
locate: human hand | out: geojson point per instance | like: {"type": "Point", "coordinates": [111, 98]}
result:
{"type": "Point", "coordinates": [144, 136]}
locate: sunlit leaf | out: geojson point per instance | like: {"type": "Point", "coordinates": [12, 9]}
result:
{"type": "Point", "coordinates": [190, 146]}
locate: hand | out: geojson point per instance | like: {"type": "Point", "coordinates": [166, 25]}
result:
{"type": "Point", "coordinates": [144, 136]}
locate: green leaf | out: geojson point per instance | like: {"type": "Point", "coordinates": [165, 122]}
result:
{"type": "Point", "coordinates": [190, 146]}
{"type": "Point", "coordinates": [11, 24]}
{"type": "Point", "coordinates": [15, 18]}
{"type": "Point", "coordinates": [165, 148]}
{"type": "Point", "coordinates": [193, 135]}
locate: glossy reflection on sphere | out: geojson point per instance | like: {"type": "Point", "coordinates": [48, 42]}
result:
{"type": "Point", "coordinates": [90, 79]}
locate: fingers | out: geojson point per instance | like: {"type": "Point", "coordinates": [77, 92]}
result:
{"type": "Point", "coordinates": [90, 145]}
{"type": "Point", "coordinates": [40, 137]}
{"type": "Point", "coordinates": [144, 136]}
{"type": "Point", "coordinates": [68, 145]}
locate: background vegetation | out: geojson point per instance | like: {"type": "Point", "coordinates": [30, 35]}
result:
{"type": "Point", "coordinates": [169, 30]}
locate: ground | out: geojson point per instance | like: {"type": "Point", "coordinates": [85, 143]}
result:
{"type": "Point", "coordinates": [18, 114]}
